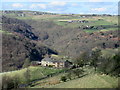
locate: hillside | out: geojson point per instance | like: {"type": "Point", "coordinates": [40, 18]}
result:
{"type": "Point", "coordinates": [45, 77]}
{"type": "Point", "coordinates": [72, 41]}
{"type": "Point", "coordinates": [18, 27]}
{"type": "Point", "coordinates": [35, 73]}
{"type": "Point", "coordinates": [90, 81]}
{"type": "Point", "coordinates": [57, 32]}
{"type": "Point", "coordinates": [19, 45]}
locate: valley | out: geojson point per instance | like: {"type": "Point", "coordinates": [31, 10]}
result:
{"type": "Point", "coordinates": [89, 42]}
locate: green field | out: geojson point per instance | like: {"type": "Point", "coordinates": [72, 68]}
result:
{"type": "Point", "coordinates": [35, 72]}
{"type": "Point", "coordinates": [61, 20]}
{"type": "Point", "coordinates": [109, 52]}
{"type": "Point", "coordinates": [90, 23]}
{"type": "Point", "coordinates": [103, 30]}
{"type": "Point", "coordinates": [5, 32]}
{"type": "Point", "coordinates": [90, 81]}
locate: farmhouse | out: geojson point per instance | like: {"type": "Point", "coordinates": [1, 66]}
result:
{"type": "Point", "coordinates": [55, 63]}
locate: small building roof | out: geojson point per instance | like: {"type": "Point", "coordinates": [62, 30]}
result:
{"type": "Point", "coordinates": [50, 60]}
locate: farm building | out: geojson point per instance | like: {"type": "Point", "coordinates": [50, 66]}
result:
{"type": "Point", "coordinates": [35, 63]}
{"type": "Point", "coordinates": [55, 63]}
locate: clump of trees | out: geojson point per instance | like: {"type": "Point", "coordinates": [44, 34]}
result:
{"type": "Point", "coordinates": [78, 72]}
{"type": "Point", "coordinates": [110, 65]}
{"type": "Point", "coordinates": [72, 74]}
{"type": "Point", "coordinates": [95, 55]}
{"type": "Point", "coordinates": [107, 65]}
{"type": "Point", "coordinates": [81, 60]}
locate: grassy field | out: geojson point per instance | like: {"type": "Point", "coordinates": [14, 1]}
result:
{"type": "Point", "coordinates": [62, 20]}
{"type": "Point", "coordinates": [35, 72]}
{"type": "Point", "coordinates": [103, 30]}
{"type": "Point", "coordinates": [109, 52]}
{"type": "Point", "coordinates": [90, 81]}
{"type": "Point", "coordinates": [93, 21]}
{"type": "Point", "coordinates": [5, 32]}
{"type": "Point", "coordinates": [109, 29]}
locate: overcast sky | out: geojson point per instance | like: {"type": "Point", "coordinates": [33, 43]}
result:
{"type": "Point", "coordinates": [64, 6]}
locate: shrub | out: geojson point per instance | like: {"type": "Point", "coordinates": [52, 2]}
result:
{"type": "Point", "coordinates": [69, 75]}
{"type": "Point", "coordinates": [78, 72]}
{"type": "Point", "coordinates": [82, 59]}
{"type": "Point", "coordinates": [63, 78]}
{"type": "Point", "coordinates": [10, 82]}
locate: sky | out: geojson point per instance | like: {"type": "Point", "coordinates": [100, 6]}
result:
{"type": "Point", "coordinates": [64, 6]}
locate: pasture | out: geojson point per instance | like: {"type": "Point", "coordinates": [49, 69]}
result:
{"type": "Point", "coordinates": [90, 81]}
{"type": "Point", "coordinates": [35, 72]}
{"type": "Point", "coordinates": [63, 20]}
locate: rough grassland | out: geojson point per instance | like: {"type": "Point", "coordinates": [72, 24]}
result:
{"type": "Point", "coordinates": [35, 72]}
{"type": "Point", "coordinates": [90, 81]}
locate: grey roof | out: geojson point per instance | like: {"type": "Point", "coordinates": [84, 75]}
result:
{"type": "Point", "coordinates": [47, 59]}
{"type": "Point", "coordinates": [50, 60]}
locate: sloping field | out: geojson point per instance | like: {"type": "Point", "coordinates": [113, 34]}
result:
{"type": "Point", "coordinates": [90, 81]}
{"type": "Point", "coordinates": [109, 52]}
{"type": "Point", "coordinates": [34, 72]}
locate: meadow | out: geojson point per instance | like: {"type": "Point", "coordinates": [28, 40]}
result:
{"type": "Point", "coordinates": [35, 72]}
{"type": "Point", "coordinates": [62, 20]}
{"type": "Point", "coordinates": [91, 79]}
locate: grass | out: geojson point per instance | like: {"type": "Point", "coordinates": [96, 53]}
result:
{"type": "Point", "coordinates": [48, 81]}
{"type": "Point", "coordinates": [44, 17]}
{"type": "Point", "coordinates": [103, 22]}
{"type": "Point", "coordinates": [35, 73]}
{"type": "Point", "coordinates": [92, 80]}
{"type": "Point", "coordinates": [103, 30]}
{"type": "Point", "coordinates": [5, 32]}
{"type": "Point", "coordinates": [62, 57]}
{"type": "Point", "coordinates": [109, 52]}
{"type": "Point", "coordinates": [93, 21]}
{"type": "Point", "coordinates": [57, 79]}
{"type": "Point", "coordinates": [109, 29]}
{"type": "Point", "coordinates": [89, 81]}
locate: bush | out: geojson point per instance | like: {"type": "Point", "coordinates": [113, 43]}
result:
{"type": "Point", "coordinates": [63, 78]}
{"type": "Point", "coordinates": [69, 75]}
{"type": "Point", "coordinates": [10, 82]}
{"type": "Point", "coordinates": [50, 65]}
{"type": "Point", "coordinates": [78, 72]}
{"type": "Point", "coordinates": [82, 59]}
{"type": "Point", "coordinates": [110, 65]}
